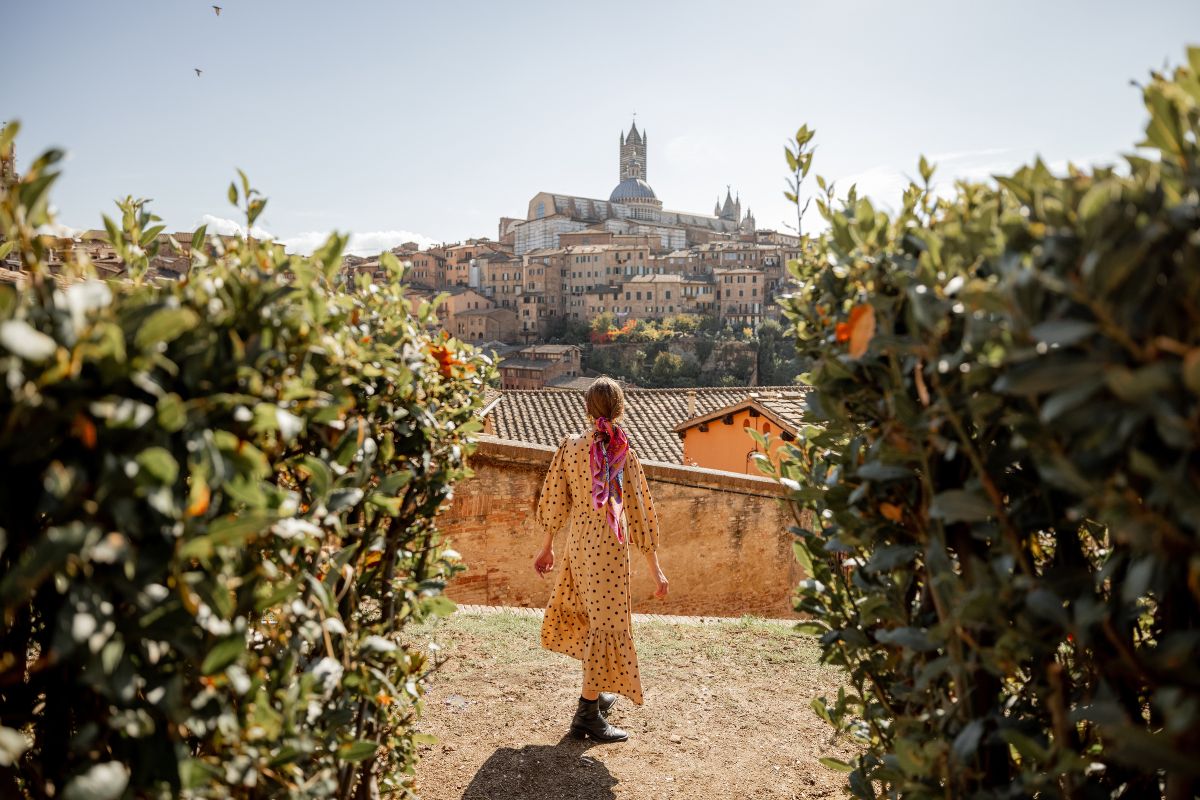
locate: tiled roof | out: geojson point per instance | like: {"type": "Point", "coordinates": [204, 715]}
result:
{"type": "Point", "coordinates": [551, 349]}
{"type": "Point", "coordinates": [567, 382]}
{"type": "Point", "coordinates": [525, 363]}
{"type": "Point", "coordinates": [785, 410]}
{"type": "Point", "coordinates": [545, 416]}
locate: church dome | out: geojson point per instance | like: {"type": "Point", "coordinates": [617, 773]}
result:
{"type": "Point", "coordinates": [631, 189]}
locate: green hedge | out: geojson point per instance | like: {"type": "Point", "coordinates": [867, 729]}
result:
{"type": "Point", "coordinates": [1004, 459]}
{"type": "Point", "coordinates": [216, 514]}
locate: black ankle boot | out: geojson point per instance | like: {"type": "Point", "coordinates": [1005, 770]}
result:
{"type": "Point", "coordinates": [607, 701]}
{"type": "Point", "coordinates": [588, 722]}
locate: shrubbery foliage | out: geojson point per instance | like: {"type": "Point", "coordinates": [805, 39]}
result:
{"type": "Point", "coordinates": [1004, 462]}
{"type": "Point", "coordinates": [216, 513]}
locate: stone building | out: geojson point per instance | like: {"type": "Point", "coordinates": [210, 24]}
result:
{"type": "Point", "coordinates": [631, 208]}
{"type": "Point", "coordinates": [481, 325]}
{"type": "Point", "coordinates": [740, 296]}
{"type": "Point", "coordinates": [541, 365]}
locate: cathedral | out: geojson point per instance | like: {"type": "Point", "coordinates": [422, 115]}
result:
{"type": "Point", "coordinates": [631, 208]}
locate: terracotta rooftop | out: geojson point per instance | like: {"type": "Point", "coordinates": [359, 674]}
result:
{"type": "Point", "coordinates": [545, 416]}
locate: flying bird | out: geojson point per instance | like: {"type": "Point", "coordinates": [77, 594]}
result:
{"type": "Point", "coordinates": [217, 9]}
{"type": "Point", "coordinates": [198, 71]}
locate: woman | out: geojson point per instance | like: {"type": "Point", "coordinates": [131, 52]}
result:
{"type": "Point", "coordinates": [596, 485]}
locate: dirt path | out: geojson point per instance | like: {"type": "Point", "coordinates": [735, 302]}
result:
{"type": "Point", "coordinates": [726, 716]}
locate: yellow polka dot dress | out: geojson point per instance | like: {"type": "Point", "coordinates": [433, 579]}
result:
{"type": "Point", "coordinates": [588, 615]}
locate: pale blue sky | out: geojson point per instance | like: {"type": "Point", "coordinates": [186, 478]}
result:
{"type": "Point", "coordinates": [439, 117]}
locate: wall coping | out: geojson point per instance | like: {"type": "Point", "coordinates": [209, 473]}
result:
{"type": "Point", "coordinates": [507, 451]}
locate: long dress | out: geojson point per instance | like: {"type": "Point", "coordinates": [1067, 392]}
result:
{"type": "Point", "coordinates": [588, 617]}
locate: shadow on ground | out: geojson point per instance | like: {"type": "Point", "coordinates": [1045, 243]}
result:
{"type": "Point", "coordinates": [542, 772]}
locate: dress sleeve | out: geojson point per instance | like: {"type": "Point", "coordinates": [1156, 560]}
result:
{"type": "Point", "coordinates": [639, 507]}
{"type": "Point", "coordinates": [554, 501]}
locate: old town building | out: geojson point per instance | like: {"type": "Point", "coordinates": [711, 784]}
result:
{"type": "Point", "coordinates": [538, 366]}
{"type": "Point", "coordinates": [631, 208]}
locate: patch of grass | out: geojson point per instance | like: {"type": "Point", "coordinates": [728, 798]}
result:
{"type": "Point", "coordinates": [478, 640]}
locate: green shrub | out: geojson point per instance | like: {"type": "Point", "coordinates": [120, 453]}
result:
{"type": "Point", "coordinates": [1004, 462]}
{"type": "Point", "coordinates": [216, 513]}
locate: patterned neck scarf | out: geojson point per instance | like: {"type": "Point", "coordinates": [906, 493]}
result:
{"type": "Point", "coordinates": [607, 458]}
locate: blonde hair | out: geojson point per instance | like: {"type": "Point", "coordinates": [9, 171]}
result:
{"type": "Point", "coordinates": [604, 398]}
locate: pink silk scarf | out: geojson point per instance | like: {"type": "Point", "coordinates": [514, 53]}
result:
{"type": "Point", "coordinates": [607, 459]}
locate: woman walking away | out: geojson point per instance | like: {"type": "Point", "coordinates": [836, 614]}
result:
{"type": "Point", "coordinates": [596, 488]}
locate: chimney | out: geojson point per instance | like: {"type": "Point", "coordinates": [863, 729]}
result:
{"type": "Point", "coordinates": [691, 397]}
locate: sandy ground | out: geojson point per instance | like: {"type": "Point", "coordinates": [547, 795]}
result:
{"type": "Point", "coordinates": [726, 716]}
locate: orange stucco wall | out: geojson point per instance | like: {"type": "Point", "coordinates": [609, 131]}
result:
{"type": "Point", "coordinates": [729, 447]}
{"type": "Point", "coordinates": [725, 541]}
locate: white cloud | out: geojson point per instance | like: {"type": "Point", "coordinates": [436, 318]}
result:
{"type": "Point", "coordinates": [58, 229]}
{"type": "Point", "coordinates": [228, 227]}
{"type": "Point", "coordinates": [368, 243]}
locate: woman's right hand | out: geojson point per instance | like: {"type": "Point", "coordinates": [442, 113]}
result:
{"type": "Point", "coordinates": [545, 561]}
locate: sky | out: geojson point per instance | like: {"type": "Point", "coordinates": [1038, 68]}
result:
{"type": "Point", "coordinates": [396, 120]}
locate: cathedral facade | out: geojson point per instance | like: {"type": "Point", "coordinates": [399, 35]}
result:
{"type": "Point", "coordinates": [631, 208]}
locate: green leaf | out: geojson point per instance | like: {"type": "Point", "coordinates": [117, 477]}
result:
{"type": "Point", "coordinates": [1046, 375]}
{"type": "Point", "coordinates": [1030, 750]}
{"type": "Point", "coordinates": [926, 169]}
{"type": "Point", "coordinates": [232, 194]}
{"type": "Point", "coordinates": [803, 557]}
{"type": "Point", "coordinates": [959, 505]}
{"type": "Point", "coordinates": [888, 557]}
{"type": "Point", "coordinates": [836, 765]}
{"type": "Point", "coordinates": [232, 530]}
{"type": "Point", "coordinates": [1062, 332]}
{"type": "Point", "coordinates": [24, 341]}
{"type": "Point", "coordinates": [876, 471]}
{"type": "Point", "coordinates": [966, 743]}
{"type": "Point", "coordinates": [8, 133]}
{"type": "Point", "coordinates": [223, 653]}
{"type": "Point", "coordinates": [911, 638]}
{"type": "Point", "coordinates": [319, 477]}
{"type": "Point", "coordinates": [166, 325]}
{"type": "Point", "coordinates": [1138, 386]}
{"type": "Point", "coordinates": [198, 237]}
{"type": "Point", "coordinates": [159, 463]}
{"type": "Point", "coordinates": [360, 750]}
{"type": "Point", "coordinates": [440, 606]}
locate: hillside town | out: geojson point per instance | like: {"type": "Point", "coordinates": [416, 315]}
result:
{"type": "Point", "coordinates": [570, 259]}
{"type": "Point", "coordinates": [575, 258]}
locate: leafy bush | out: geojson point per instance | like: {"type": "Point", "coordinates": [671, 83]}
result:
{"type": "Point", "coordinates": [1004, 462]}
{"type": "Point", "coordinates": [216, 514]}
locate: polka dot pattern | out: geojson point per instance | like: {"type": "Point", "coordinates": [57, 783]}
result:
{"type": "Point", "coordinates": [588, 617]}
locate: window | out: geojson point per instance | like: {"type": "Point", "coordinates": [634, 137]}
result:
{"type": "Point", "coordinates": [541, 210]}
{"type": "Point", "coordinates": [667, 295]}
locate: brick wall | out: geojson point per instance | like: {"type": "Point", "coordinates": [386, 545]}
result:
{"type": "Point", "coordinates": [725, 548]}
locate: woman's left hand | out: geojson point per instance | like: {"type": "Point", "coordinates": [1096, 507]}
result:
{"type": "Point", "coordinates": [663, 585]}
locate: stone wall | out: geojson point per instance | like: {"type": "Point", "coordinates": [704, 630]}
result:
{"type": "Point", "coordinates": [725, 547]}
